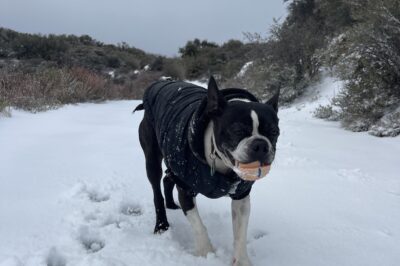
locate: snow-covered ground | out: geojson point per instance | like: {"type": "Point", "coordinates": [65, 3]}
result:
{"type": "Point", "coordinates": [73, 191]}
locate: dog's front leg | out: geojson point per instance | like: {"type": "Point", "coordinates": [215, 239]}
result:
{"type": "Point", "coordinates": [188, 205]}
{"type": "Point", "coordinates": [240, 221]}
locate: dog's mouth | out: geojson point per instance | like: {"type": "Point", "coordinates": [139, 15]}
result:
{"type": "Point", "coordinates": [252, 171]}
{"type": "Point", "coordinates": [249, 171]}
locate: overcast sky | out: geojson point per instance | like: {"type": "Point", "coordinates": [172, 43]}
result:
{"type": "Point", "coordinates": [158, 26]}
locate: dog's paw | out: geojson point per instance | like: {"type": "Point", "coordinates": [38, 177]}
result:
{"type": "Point", "coordinates": [241, 262]}
{"type": "Point", "coordinates": [161, 227]}
{"type": "Point", "coordinates": [202, 251]}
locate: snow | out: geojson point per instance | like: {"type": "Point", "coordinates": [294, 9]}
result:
{"type": "Point", "coordinates": [319, 94]}
{"type": "Point", "coordinates": [244, 69]}
{"type": "Point", "coordinates": [198, 83]}
{"type": "Point", "coordinates": [73, 191]}
{"type": "Point", "coordinates": [111, 73]}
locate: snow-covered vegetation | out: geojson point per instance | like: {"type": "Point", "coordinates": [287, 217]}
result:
{"type": "Point", "coordinates": [358, 41]}
{"type": "Point", "coordinates": [367, 57]}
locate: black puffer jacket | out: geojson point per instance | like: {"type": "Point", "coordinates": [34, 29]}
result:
{"type": "Point", "coordinates": [176, 113]}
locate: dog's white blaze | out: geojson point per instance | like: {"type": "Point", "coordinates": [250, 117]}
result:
{"type": "Point", "coordinates": [203, 243]}
{"type": "Point", "coordinates": [256, 122]}
{"type": "Point", "coordinates": [240, 153]}
{"type": "Point", "coordinates": [240, 221]}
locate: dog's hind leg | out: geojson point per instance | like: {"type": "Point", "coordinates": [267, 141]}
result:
{"type": "Point", "coordinates": [153, 156]}
{"type": "Point", "coordinates": [188, 204]}
{"type": "Point", "coordinates": [169, 184]}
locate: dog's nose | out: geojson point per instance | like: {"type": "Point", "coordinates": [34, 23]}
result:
{"type": "Point", "coordinates": [259, 150]}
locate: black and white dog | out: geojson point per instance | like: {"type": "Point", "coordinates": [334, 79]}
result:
{"type": "Point", "coordinates": [204, 137]}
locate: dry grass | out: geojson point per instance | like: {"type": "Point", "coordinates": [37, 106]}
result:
{"type": "Point", "coordinates": [50, 88]}
{"type": "Point", "coordinates": [4, 109]}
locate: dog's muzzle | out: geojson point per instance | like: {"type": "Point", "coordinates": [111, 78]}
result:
{"type": "Point", "coordinates": [251, 171]}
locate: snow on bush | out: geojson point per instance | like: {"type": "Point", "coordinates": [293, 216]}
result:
{"type": "Point", "coordinates": [387, 126]}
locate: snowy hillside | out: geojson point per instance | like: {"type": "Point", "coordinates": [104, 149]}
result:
{"type": "Point", "coordinates": [73, 191]}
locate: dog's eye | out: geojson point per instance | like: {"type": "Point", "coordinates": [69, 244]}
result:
{"type": "Point", "coordinates": [240, 132]}
{"type": "Point", "coordinates": [274, 131]}
{"type": "Point", "coordinates": [237, 132]}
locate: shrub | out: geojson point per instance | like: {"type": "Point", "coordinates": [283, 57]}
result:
{"type": "Point", "coordinates": [4, 109]}
{"type": "Point", "coordinates": [139, 85]}
{"type": "Point", "coordinates": [202, 58]}
{"type": "Point", "coordinates": [263, 79]}
{"type": "Point", "coordinates": [173, 68]}
{"type": "Point", "coordinates": [368, 58]}
{"type": "Point", "coordinates": [387, 126]}
{"type": "Point", "coordinates": [48, 88]}
{"type": "Point", "coordinates": [113, 61]}
{"type": "Point", "coordinates": [326, 112]}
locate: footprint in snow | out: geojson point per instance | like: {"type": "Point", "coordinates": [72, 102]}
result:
{"type": "Point", "coordinates": [96, 196]}
{"type": "Point", "coordinates": [131, 209]}
{"type": "Point", "coordinates": [94, 193]}
{"type": "Point", "coordinates": [354, 175]}
{"type": "Point", "coordinates": [258, 234]}
{"type": "Point", "coordinates": [90, 240]}
{"type": "Point", "coordinates": [54, 258]}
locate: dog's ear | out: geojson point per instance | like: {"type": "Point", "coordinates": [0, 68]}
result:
{"type": "Point", "coordinates": [215, 100]}
{"type": "Point", "coordinates": [274, 101]}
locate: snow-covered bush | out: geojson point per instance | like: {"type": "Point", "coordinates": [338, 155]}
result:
{"type": "Point", "coordinates": [367, 57]}
{"type": "Point", "coordinates": [290, 56]}
{"type": "Point", "coordinates": [387, 126]}
{"type": "Point", "coordinates": [327, 112]}
{"type": "Point", "coordinates": [264, 78]}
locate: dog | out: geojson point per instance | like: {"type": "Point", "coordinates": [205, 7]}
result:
{"type": "Point", "coordinates": [213, 142]}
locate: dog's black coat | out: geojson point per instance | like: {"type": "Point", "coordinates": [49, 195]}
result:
{"type": "Point", "coordinates": [176, 113]}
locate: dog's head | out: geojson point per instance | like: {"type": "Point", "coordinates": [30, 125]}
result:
{"type": "Point", "coordinates": [245, 132]}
